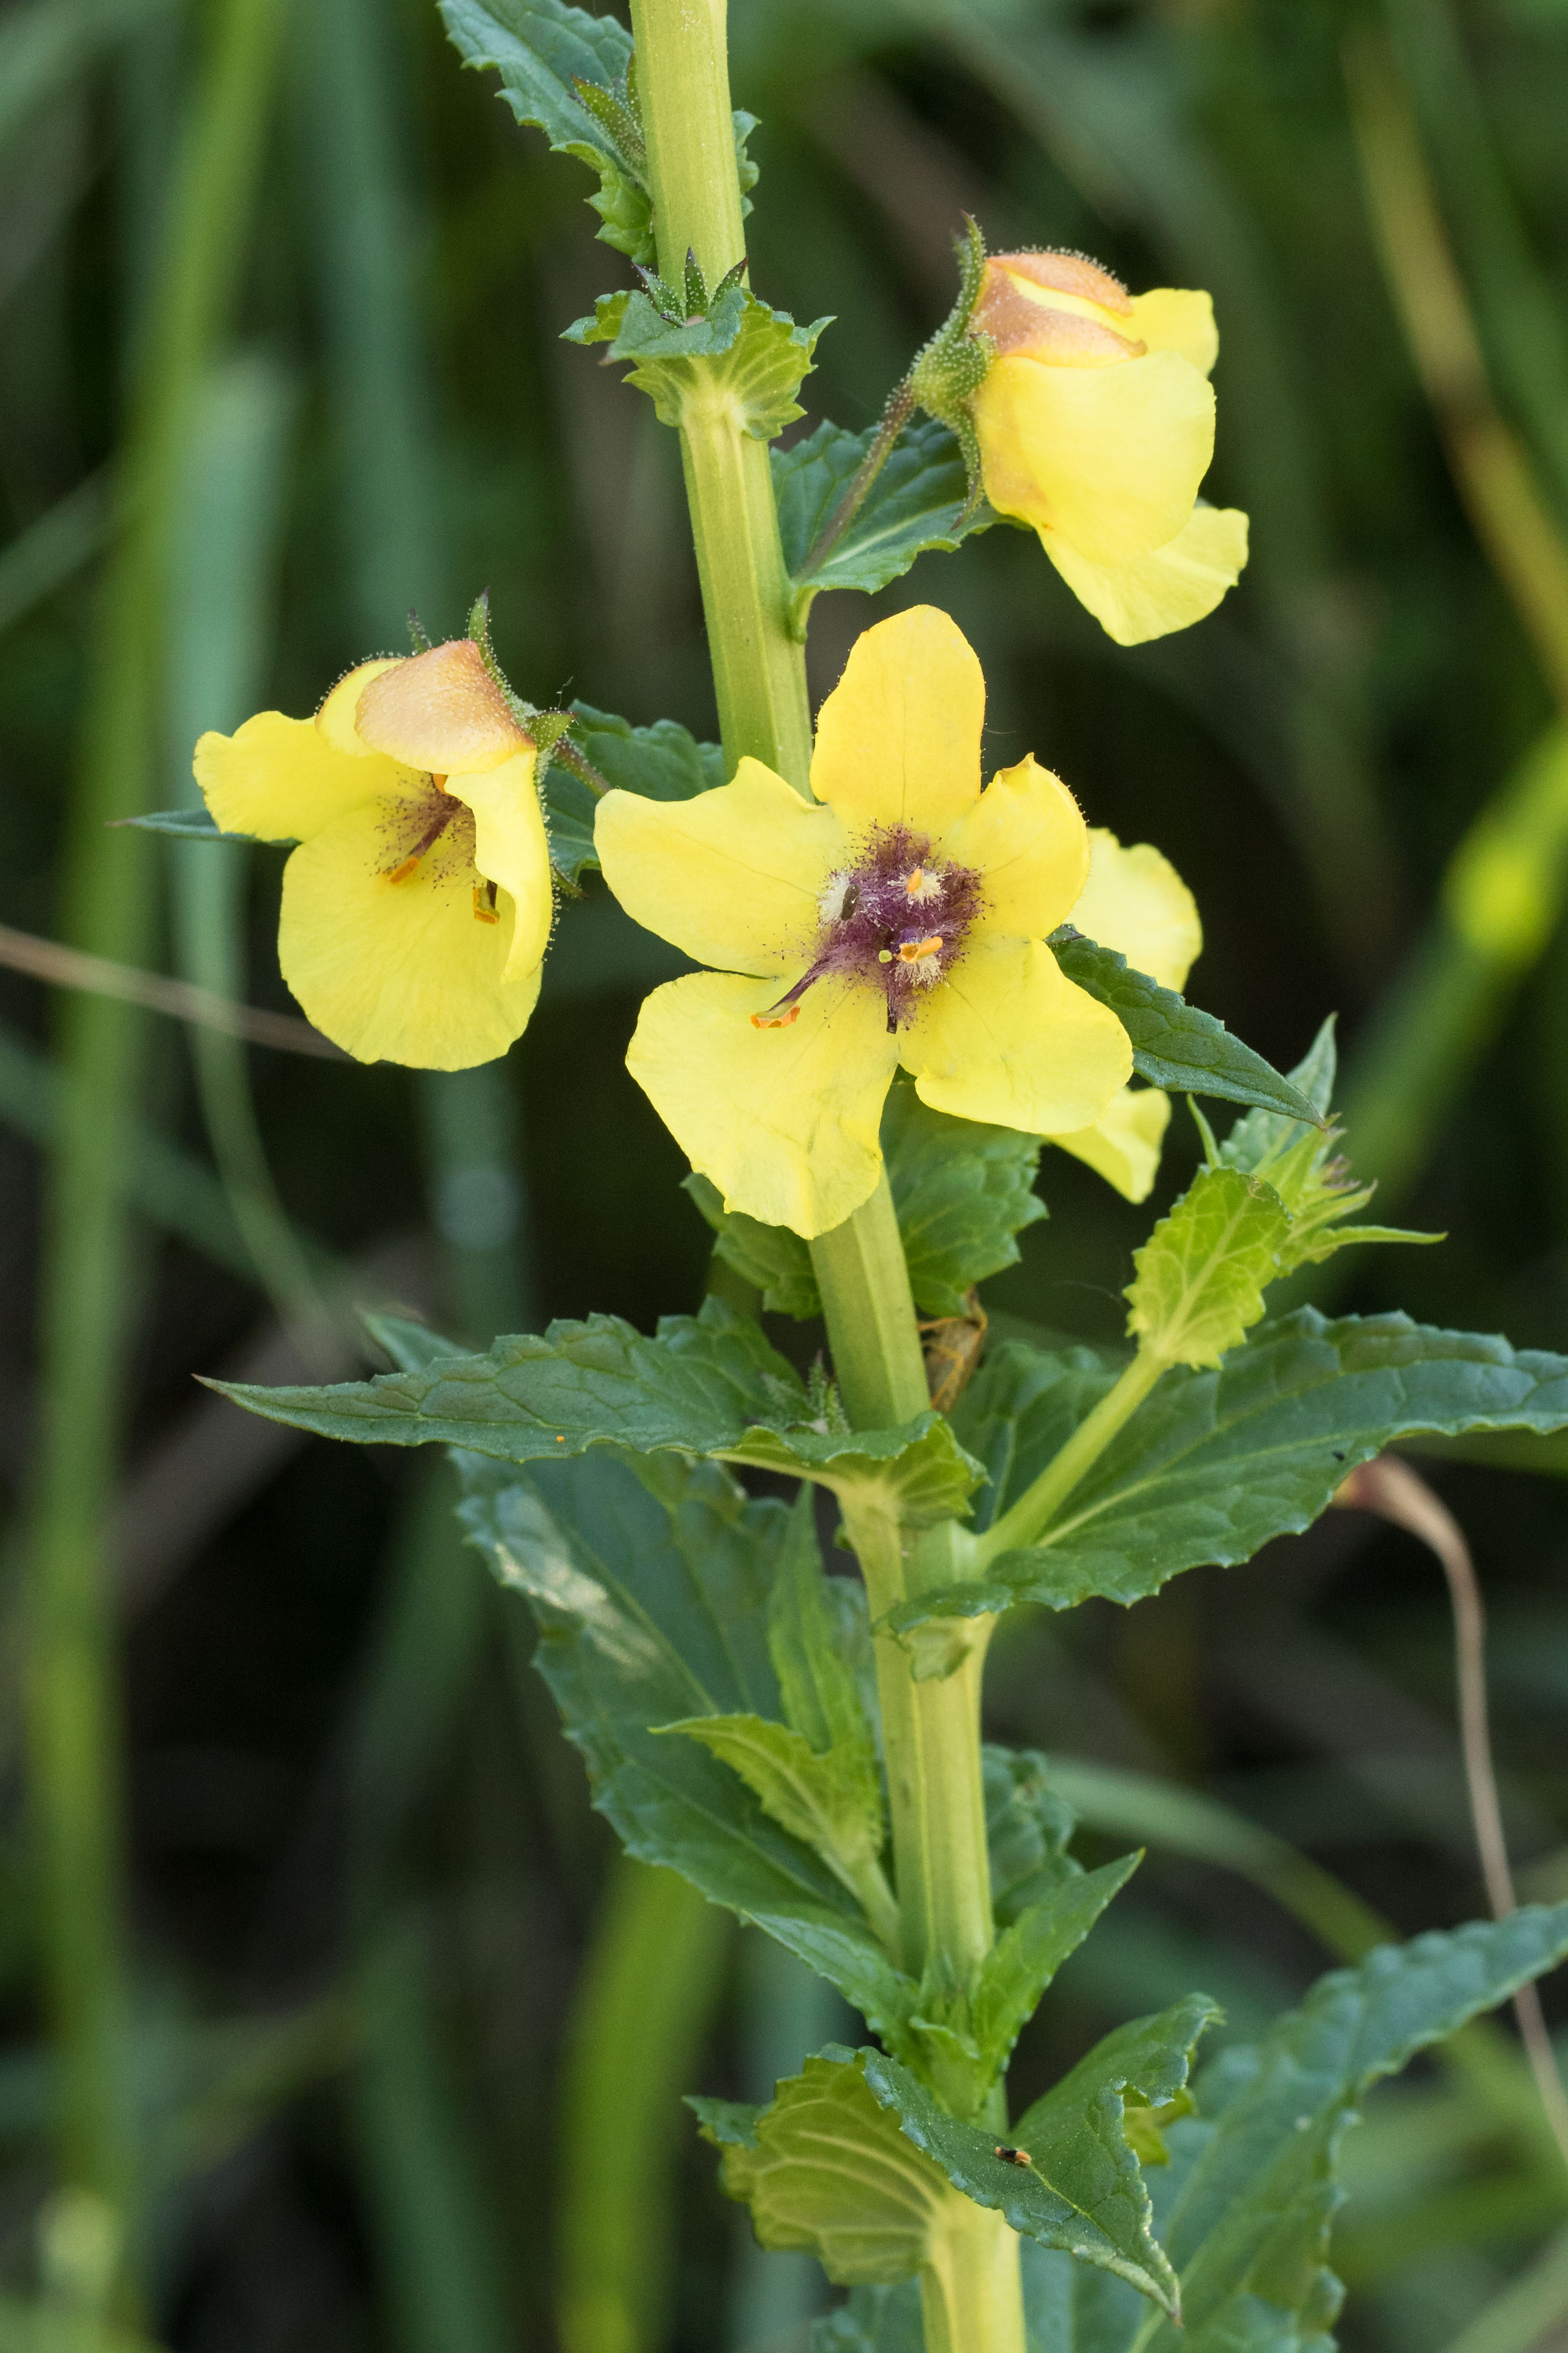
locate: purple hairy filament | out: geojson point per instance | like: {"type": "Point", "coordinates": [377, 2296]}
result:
{"type": "Point", "coordinates": [895, 919]}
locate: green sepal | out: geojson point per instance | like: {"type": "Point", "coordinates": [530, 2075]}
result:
{"type": "Point", "coordinates": [192, 825]}
{"type": "Point", "coordinates": [1174, 1044]}
{"type": "Point", "coordinates": [951, 367]}
{"type": "Point", "coordinates": [741, 353]}
{"type": "Point", "coordinates": [1198, 1287]}
{"type": "Point", "coordinates": [918, 503]}
{"type": "Point", "coordinates": [708, 1384]}
{"type": "Point", "coordinates": [1214, 1465]}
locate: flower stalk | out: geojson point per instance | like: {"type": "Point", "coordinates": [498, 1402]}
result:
{"type": "Point", "coordinates": [931, 1730]}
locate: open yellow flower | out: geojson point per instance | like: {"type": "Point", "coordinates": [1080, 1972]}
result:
{"type": "Point", "coordinates": [1095, 423]}
{"type": "Point", "coordinates": [1136, 903]}
{"type": "Point", "coordinates": [417, 906]}
{"type": "Point", "coordinates": [898, 917]}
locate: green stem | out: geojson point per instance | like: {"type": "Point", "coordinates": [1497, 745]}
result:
{"type": "Point", "coordinates": [1038, 1504]}
{"type": "Point", "coordinates": [73, 1722]}
{"type": "Point", "coordinates": [931, 1730]}
{"type": "Point", "coordinates": [759, 667]}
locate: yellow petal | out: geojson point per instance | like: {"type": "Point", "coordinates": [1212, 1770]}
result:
{"type": "Point", "coordinates": [1136, 903]}
{"type": "Point", "coordinates": [783, 1121]}
{"type": "Point", "coordinates": [1123, 1145]}
{"type": "Point", "coordinates": [1107, 458]}
{"type": "Point", "coordinates": [1168, 590]}
{"type": "Point", "coordinates": [399, 972]}
{"type": "Point", "coordinates": [732, 876]}
{"type": "Point", "coordinates": [336, 716]}
{"type": "Point", "coordinates": [440, 711]}
{"type": "Point", "coordinates": [1173, 319]}
{"type": "Point", "coordinates": [512, 848]}
{"type": "Point", "coordinates": [1008, 1039]}
{"type": "Point", "coordinates": [898, 741]}
{"type": "Point", "coordinates": [280, 779]}
{"type": "Point", "coordinates": [1029, 841]}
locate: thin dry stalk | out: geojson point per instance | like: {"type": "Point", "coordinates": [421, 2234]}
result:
{"type": "Point", "coordinates": [66, 967]}
{"type": "Point", "coordinates": [1392, 1490]}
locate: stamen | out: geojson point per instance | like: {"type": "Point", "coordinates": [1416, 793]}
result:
{"type": "Point", "coordinates": [776, 1020]}
{"type": "Point", "coordinates": [409, 865]}
{"type": "Point", "coordinates": [923, 884]}
{"type": "Point", "coordinates": [485, 903]}
{"type": "Point", "coordinates": [911, 951]}
{"type": "Point", "coordinates": [432, 834]}
{"type": "Point", "coordinates": [912, 884]}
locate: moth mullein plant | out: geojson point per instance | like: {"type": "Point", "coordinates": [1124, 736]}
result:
{"type": "Point", "coordinates": [912, 981]}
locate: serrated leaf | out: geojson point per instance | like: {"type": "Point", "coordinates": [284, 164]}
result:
{"type": "Point", "coordinates": [960, 1192]}
{"type": "Point", "coordinates": [412, 1346]}
{"type": "Point", "coordinates": [1072, 2197]}
{"type": "Point", "coordinates": [650, 1588]}
{"type": "Point", "coordinates": [1248, 2225]}
{"type": "Point", "coordinates": [545, 54]}
{"type": "Point", "coordinates": [828, 2171]}
{"type": "Point", "coordinates": [832, 1802]}
{"type": "Point", "coordinates": [1198, 1285]}
{"type": "Point", "coordinates": [819, 1639]}
{"type": "Point", "coordinates": [916, 504]}
{"type": "Point", "coordinates": [664, 763]}
{"type": "Point", "coordinates": [1174, 1045]}
{"type": "Point", "coordinates": [190, 825]}
{"type": "Point", "coordinates": [707, 1385]}
{"type": "Point", "coordinates": [740, 357]}
{"type": "Point", "coordinates": [1214, 1465]}
{"type": "Point", "coordinates": [1027, 1955]}
{"type": "Point", "coordinates": [1028, 1827]}
{"type": "Point", "coordinates": [1075, 2134]}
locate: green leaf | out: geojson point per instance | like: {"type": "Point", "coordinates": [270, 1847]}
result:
{"type": "Point", "coordinates": [1077, 2194]}
{"type": "Point", "coordinates": [1304, 1166]}
{"type": "Point", "coordinates": [1173, 1044]}
{"type": "Point", "coordinates": [1199, 1278]}
{"type": "Point", "coordinates": [1028, 1827]}
{"type": "Point", "coordinates": [664, 763]}
{"type": "Point", "coordinates": [188, 825]}
{"type": "Point", "coordinates": [1027, 1956]}
{"type": "Point", "coordinates": [1077, 2134]}
{"type": "Point", "coordinates": [545, 53]}
{"type": "Point", "coordinates": [829, 2170]}
{"type": "Point", "coordinates": [650, 1585]}
{"type": "Point", "coordinates": [707, 1385]}
{"type": "Point", "coordinates": [771, 1259]}
{"type": "Point", "coordinates": [1248, 2225]}
{"type": "Point", "coordinates": [916, 503]}
{"type": "Point", "coordinates": [960, 1190]}
{"type": "Point", "coordinates": [832, 1804]}
{"type": "Point", "coordinates": [877, 2320]}
{"type": "Point", "coordinates": [1214, 1465]}
{"type": "Point", "coordinates": [742, 355]}
{"type": "Point", "coordinates": [819, 1639]}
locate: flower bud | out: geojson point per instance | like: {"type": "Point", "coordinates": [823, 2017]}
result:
{"type": "Point", "coordinates": [1095, 423]}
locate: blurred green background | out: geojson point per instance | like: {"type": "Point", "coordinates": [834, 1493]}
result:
{"type": "Point", "coordinates": [283, 292]}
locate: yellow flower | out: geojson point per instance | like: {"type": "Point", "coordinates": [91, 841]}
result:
{"type": "Point", "coordinates": [898, 917]}
{"type": "Point", "coordinates": [1095, 423]}
{"type": "Point", "coordinates": [1136, 903]}
{"type": "Point", "coordinates": [417, 906]}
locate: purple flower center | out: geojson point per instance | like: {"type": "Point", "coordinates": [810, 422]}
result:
{"type": "Point", "coordinates": [895, 919]}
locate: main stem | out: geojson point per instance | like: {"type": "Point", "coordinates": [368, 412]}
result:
{"type": "Point", "coordinates": [930, 1729]}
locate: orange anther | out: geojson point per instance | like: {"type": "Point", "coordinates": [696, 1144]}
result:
{"type": "Point", "coordinates": [409, 865]}
{"type": "Point", "coordinates": [913, 885]}
{"type": "Point", "coordinates": [776, 1020]}
{"type": "Point", "coordinates": [483, 911]}
{"type": "Point", "coordinates": [911, 951]}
